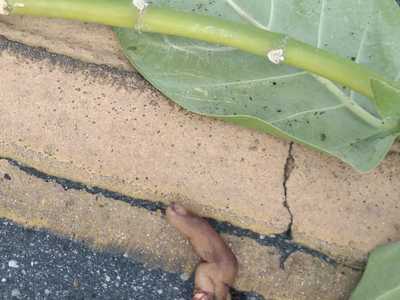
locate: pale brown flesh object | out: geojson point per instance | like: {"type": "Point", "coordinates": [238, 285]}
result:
{"type": "Point", "coordinates": [218, 268]}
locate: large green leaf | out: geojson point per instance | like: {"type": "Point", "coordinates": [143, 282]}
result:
{"type": "Point", "coordinates": [381, 280]}
{"type": "Point", "coordinates": [248, 90]}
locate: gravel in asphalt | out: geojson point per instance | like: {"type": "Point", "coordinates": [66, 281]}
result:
{"type": "Point", "coordinates": [41, 265]}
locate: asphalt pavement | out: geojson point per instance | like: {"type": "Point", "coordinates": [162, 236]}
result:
{"type": "Point", "coordinates": [41, 265]}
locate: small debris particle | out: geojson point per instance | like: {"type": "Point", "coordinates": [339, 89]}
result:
{"type": "Point", "coordinates": [13, 264]}
{"type": "Point", "coordinates": [76, 284]}
{"type": "Point", "coordinates": [184, 277]}
{"type": "Point", "coordinates": [7, 176]}
{"type": "Point", "coordinates": [15, 293]}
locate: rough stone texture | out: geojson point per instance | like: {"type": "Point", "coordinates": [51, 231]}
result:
{"type": "Point", "coordinates": [111, 129]}
{"type": "Point", "coordinates": [396, 147]}
{"type": "Point", "coordinates": [84, 41]}
{"type": "Point", "coordinates": [351, 212]}
{"type": "Point", "coordinates": [89, 42]}
{"type": "Point", "coordinates": [106, 223]}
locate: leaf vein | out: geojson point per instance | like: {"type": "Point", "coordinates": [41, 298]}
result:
{"type": "Point", "coordinates": [362, 43]}
{"type": "Point", "coordinates": [335, 107]}
{"type": "Point", "coordinates": [272, 78]}
{"type": "Point", "coordinates": [321, 25]}
{"type": "Point", "coordinates": [392, 291]}
{"type": "Point", "coordinates": [203, 99]}
{"type": "Point", "coordinates": [271, 14]}
{"type": "Point", "coordinates": [246, 16]}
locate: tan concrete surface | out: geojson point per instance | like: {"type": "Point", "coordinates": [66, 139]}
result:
{"type": "Point", "coordinates": [108, 223]}
{"type": "Point", "coordinates": [84, 41]}
{"type": "Point", "coordinates": [396, 147]}
{"type": "Point", "coordinates": [111, 129]}
{"type": "Point", "coordinates": [89, 42]}
{"type": "Point", "coordinates": [332, 204]}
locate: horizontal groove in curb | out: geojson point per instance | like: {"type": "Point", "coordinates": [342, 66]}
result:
{"type": "Point", "coordinates": [135, 80]}
{"type": "Point", "coordinates": [281, 242]}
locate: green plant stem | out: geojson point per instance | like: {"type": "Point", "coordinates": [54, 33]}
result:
{"type": "Point", "coordinates": [120, 13]}
{"type": "Point", "coordinates": [249, 38]}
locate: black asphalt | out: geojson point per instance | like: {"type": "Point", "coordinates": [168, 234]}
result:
{"type": "Point", "coordinates": [40, 265]}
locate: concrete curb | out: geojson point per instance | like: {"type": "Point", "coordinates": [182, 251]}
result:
{"type": "Point", "coordinates": [145, 236]}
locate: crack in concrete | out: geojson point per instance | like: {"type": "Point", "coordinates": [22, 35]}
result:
{"type": "Point", "coordinates": [281, 242]}
{"type": "Point", "coordinates": [288, 169]}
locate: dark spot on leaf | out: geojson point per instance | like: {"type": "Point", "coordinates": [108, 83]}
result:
{"type": "Point", "coordinates": [251, 98]}
{"type": "Point", "coordinates": [353, 58]}
{"type": "Point", "coordinates": [323, 137]}
{"type": "Point", "coordinates": [274, 83]}
{"type": "Point", "coordinates": [278, 110]}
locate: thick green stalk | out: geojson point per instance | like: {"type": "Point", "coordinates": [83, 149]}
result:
{"type": "Point", "coordinates": [120, 13]}
{"type": "Point", "coordinates": [123, 13]}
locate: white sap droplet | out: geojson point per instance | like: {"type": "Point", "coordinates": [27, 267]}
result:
{"type": "Point", "coordinates": [3, 7]}
{"type": "Point", "coordinates": [276, 56]}
{"type": "Point", "coordinates": [140, 4]}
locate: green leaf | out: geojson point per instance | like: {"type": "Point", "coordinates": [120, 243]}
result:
{"type": "Point", "coordinates": [381, 280]}
{"type": "Point", "coordinates": [387, 99]}
{"type": "Point", "coordinates": [248, 90]}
